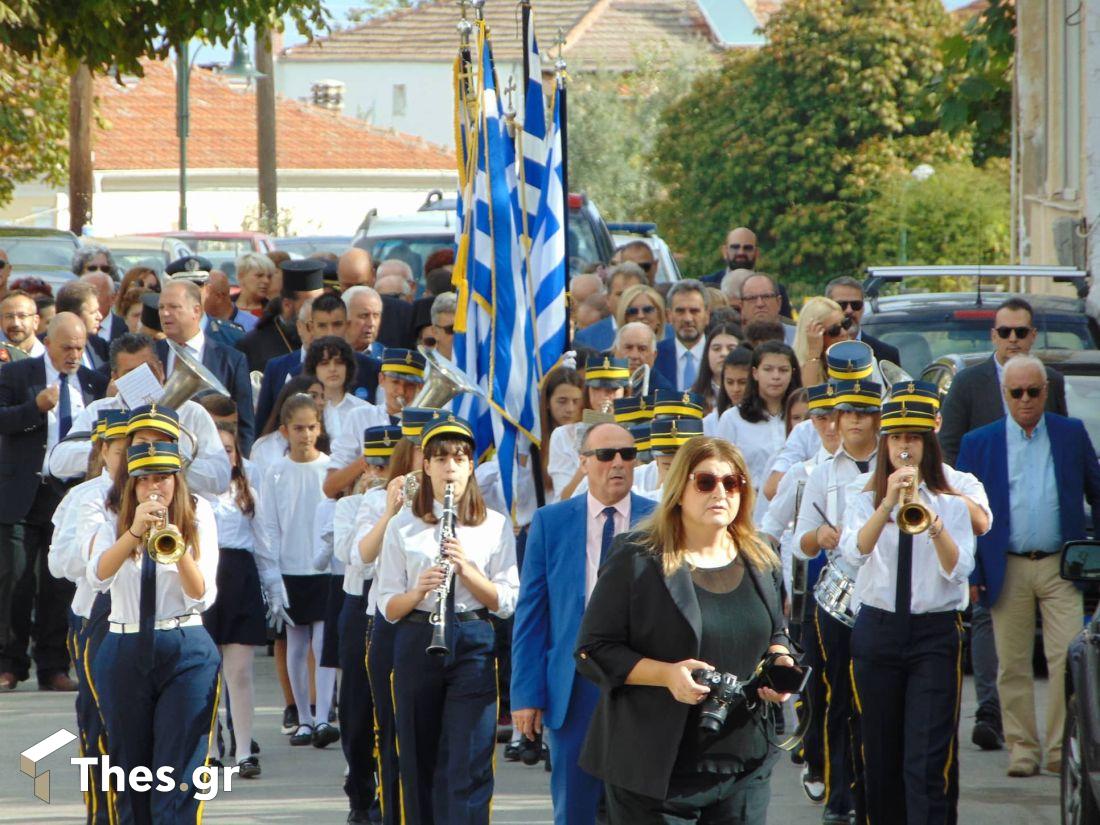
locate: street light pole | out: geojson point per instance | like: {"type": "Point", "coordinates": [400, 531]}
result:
{"type": "Point", "coordinates": [183, 124]}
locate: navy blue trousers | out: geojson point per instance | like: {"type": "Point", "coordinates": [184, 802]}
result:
{"type": "Point", "coordinates": [356, 706]}
{"type": "Point", "coordinates": [907, 677]}
{"type": "Point", "coordinates": [161, 718]}
{"type": "Point", "coordinates": [576, 793]}
{"type": "Point", "coordinates": [380, 673]}
{"type": "Point", "coordinates": [834, 639]}
{"type": "Point", "coordinates": [446, 711]}
{"type": "Point", "coordinates": [84, 639]}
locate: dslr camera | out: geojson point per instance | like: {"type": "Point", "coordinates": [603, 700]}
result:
{"type": "Point", "coordinates": [727, 692]}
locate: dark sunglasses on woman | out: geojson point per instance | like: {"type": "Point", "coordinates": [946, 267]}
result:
{"type": "Point", "coordinates": [706, 482]}
{"type": "Point", "coordinates": [836, 329]}
{"type": "Point", "coordinates": [648, 309]}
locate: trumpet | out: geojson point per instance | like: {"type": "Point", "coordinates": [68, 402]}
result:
{"type": "Point", "coordinates": [913, 516]}
{"type": "Point", "coordinates": [163, 542]}
{"type": "Point", "coordinates": [438, 617]}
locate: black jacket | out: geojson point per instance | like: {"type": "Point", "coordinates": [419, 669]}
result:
{"type": "Point", "coordinates": [23, 431]}
{"type": "Point", "coordinates": [396, 328]}
{"type": "Point", "coordinates": [636, 612]}
{"type": "Point", "coordinates": [881, 350]}
{"type": "Point", "coordinates": [975, 400]}
{"type": "Point", "coordinates": [268, 340]}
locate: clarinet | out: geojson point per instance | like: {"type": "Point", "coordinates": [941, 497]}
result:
{"type": "Point", "coordinates": [438, 617]}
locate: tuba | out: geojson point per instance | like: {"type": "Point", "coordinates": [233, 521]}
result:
{"type": "Point", "coordinates": [913, 516]}
{"type": "Point", "coordinates": [188, 379]}
{"type": "Point", "coordinates": [442, 382]}
{"type": "Point", "coordinates": [164, 543]}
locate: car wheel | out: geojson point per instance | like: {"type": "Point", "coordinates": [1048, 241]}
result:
{"type": "Point", "coordinates": [1078, 804]}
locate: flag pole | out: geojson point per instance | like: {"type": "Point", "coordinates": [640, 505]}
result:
{"type": "Point", "coordinates": [559, 73]}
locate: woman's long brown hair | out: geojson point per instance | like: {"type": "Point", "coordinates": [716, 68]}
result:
{"type": "Point", "coordinates": [122, 500]}
{"type": "Point", "coordinates": [401, 462]}
{"type": "Point", "coordinates": [930, 470]}
{"type": "Point", "coordinates": [471, 507]}
{"type": "Point", "coordinates": [663, 531]}
{"type": "Point", "coordinates": [242, 495]}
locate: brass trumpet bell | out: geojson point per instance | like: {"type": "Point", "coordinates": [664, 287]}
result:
{"type": "Point", "coordinates": [164, 543]}
{"type": "Point", "coordinates": [913, 516]}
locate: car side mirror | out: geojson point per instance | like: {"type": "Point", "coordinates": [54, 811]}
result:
{"type": "Point", "coordinates": [1081, 561]}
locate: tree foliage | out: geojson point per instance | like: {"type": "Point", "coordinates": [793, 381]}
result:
{"type": "Point", "coordinates": [793, 139]}
{"type": "Point", "coordinates": [613, 127]}
{"type": "Point", "coordinates": [33, 122]}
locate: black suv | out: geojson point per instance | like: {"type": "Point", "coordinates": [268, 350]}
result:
{"type": "Point", "coordinates": [927, 325]}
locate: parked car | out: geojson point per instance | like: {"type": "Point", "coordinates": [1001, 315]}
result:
{"type": "Point", "coordinates": [222, 248]}
{"type": "Point", "coordinates": [39, 253]}
{"type": "Point", "coordinates": [1080, 785]}
{"type": "Point", "coordinates": [668, 271]}
{"type": "Point", "coordinates": [303, 246]}
{"type": "Point", "coordinates": [924, 326]}
{"type": "Point", "coordinates": [141, 250]}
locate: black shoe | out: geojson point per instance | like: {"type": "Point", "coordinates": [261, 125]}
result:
{"type": "Point", "coordinates": [211, 762]}
{"type": "Point", "coordinates": [302, 736]}
{"type": "Point", "coordinates": [333, 714]}
{"type": "Point", "coordinates": [324, 735]}
{"type": "Point", "coordinates": [512, 751]}
{"type": "Point", "coordinates": [255, 749]}
{"type": "Point", "coordinates": [250, 767]}
{"type": "Point", "coordinates": [987, 736]}
{"type": "Point", "coordinates": [290, 719]}
{"type": "Point", "coordinates": [813, 785]}
{"type": "Point", "coordinates": [358, 815]}
{"type": "Point", "coordinates": [834, 818]}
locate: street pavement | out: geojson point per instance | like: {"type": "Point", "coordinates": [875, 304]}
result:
{"type": "Point", "coordinates": [304, 785]}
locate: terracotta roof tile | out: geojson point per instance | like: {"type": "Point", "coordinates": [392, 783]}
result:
{"type": "Point", "coordinates": [626, 28]}
{"type": "Point", "coordinates": [136, 129]}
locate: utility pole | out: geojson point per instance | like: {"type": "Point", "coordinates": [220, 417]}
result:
{"type": "Point", "coordinates": [80, 148]}
{"type": "Point", "coordinates": [266, 163]}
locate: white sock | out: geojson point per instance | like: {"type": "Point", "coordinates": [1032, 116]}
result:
{"type": "Point", "coordinates": [297, 668]}
{"type": "Point", "coordinates": [237, 670]}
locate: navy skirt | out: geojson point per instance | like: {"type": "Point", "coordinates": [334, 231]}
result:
{"type": "Point", "coordinates": [308, 597]}
{"type": "Point", "coordinates": [238, 615]}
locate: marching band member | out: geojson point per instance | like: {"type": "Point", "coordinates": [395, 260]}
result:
{"type": "Point", "coordinates": [235, 622]}
{"type": "Point", "coordinates": [667, 436]}
{"type": "Point", "coordinates": [289, 495]}
{"type": "Point", "coordinates": [76, 520]}
{"type": "Point", "coordinates": [156, 672]}
{"type": "Point", "coordinates": [906, 645]}
{"type": "Point", "coordinates": [446, 705]}
{"type": "Point", "coordinates": [605, 379]}
{"type": "Point", "coordinates": [820, 517]}
{"type": "Point", "coordinates": [664, 405]}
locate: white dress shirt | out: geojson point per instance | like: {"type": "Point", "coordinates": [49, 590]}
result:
{"type": "Point", "coordinates": [698, 353]}
{"type": "Point", "coordinates": [967, 484]}
{"type": "Point", "coordinates": [194, 345]}
{"type": "Point", "coordinates": [207, 474]}
{"type": "Point", "coordinates": [53, 416]}
{"type": "Point", "coordinates": [348, 446]}
{"type": "Point", "coordinates": [172, 602]}
{"type": "Point", "coordinates": [1000, 384]}
{"type": "Point", "coordinates": [411, 546]}
{"type": "Point", "coordinates": [524, 502]}
{"type": "Point", "coordinates": [564, 460]}
{"type": "Point", "coordinates": [646, 481]}
{"type": "Point", "coordinates": [710, 423]}
{"type": "Point", "coordinates": [107, 325]}
{"type": "Point", "coordinates": [371, 509]}
{"type": "Point", "coordinates": [239, 531]}
{"type": "Point", "coordinates": [933, 589]}
{"type": "Point", "coordinates": [75, 523]}
{"type": "Point", "coordinates": [779, 521]}
{"type": "Point", "coordinates": [758, 442]}
{"type": "Point", "coordinates": [289, 495]}
{"type": "Point", "coordinates": [323, 559]}
{"type": "Point", "coordinates": [345, 548]}
{"type": "Point", "coordinates": [594, 536]}
{"type": "Point", "coordinates": [801, 445]}
{"type": "Point", "coordinates": [267, 451]}
{"type": "Point", "coordinates": [338, 417]}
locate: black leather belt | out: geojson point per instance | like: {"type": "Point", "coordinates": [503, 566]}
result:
{"type": "Point", "coordinates": [423, 616]}
{"type": "Point", "coordinates": [1035, 555]}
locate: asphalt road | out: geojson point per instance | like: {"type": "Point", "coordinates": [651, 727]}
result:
{"type": "Point", "coordinates": [304, 785]}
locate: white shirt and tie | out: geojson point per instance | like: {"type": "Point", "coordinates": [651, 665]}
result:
{"type": "Point", "coordinates": [597, 519]}
{"type": "Point", "coordinates": [688, 362]}
{"type": "Point", "coordinates": [53, 416]}
{"type": "Point", "coordinates": [194, 346]}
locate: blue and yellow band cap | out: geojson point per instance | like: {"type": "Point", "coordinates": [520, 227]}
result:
{"type": "Point", "coordinates": [857, 396]}
{"type": "Point", "coordinates": [924, 392]}
{"type": "Point", "coordinates": [641, 435]}
{"type": "Point", "coordinates": [413, 420]}
{"type": "Point", "coordinates": [156, 457]}
{"type": "Point", "coordinates": [632, 409]}
{"type": "Point", "coordinates": [404, 363]}
{"type": "Point", "coordinates": [380, 442]}
{"type": "Point", "coordinates": [154, 417]}
{"type": "Point", "coordinates": [667, 435]}
{"type": "Point", "coordinates": [446, 426]}
{"type": "Point", "coordinates": [113, 424]}
{"type": "Point", "coordinates": [605, 371]}
{"type": "Point", "coordinates": [849, 360]}
{"type": "Point", "coordinates": [676, 404]}
{"type": "Point", "coordinates": [819, 398]}
{"type": "Point", "coordinates": [907, 417]}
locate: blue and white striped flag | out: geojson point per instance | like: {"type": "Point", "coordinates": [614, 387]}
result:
{"type": "Point", "coordinates": [533, 135]}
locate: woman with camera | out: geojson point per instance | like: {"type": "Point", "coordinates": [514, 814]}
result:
{"type": "Point", "coordinates": [658, 630]}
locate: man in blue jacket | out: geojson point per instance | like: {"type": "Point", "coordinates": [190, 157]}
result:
{"type": "Point", "coordinates": [566, 545]}
{"type": "Point", "coordinates": [1038, 468]}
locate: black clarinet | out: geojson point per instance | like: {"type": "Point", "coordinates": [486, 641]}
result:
{"type": "Point", "coordinates": [438, 617]}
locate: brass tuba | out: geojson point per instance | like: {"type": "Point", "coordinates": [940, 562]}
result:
{"type": "Point", "coordinates": [913, 516]}
{"type": "Point", "coordinates": [442, 382]}
{"type": "Point", "coordinates": [164, 543]}
{"type": "Point", "coordinates": [188, 379]}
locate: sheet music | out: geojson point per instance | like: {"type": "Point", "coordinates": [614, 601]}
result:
{"type": "Point", "coordinates": [139, 387]}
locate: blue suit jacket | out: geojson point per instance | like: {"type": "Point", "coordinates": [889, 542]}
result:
{"type": "Point", "coordinates": [551, 604]}
{"type": "Point", "coordinates": [666, 362]}
{"type": "Point", "coordinates": [984, 452]}
{"type": "Point", "coordinates": [279, 370]}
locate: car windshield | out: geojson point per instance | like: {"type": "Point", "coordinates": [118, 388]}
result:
{"type": "Point", "coordinates": [921, 346]}
{"type": "Point", "coordinates": [1083, 401]}
{"type": "Point", "coordinates": [127, 259]}
{"type": "Point", "coordinates": [414, 250]}
{"type": "Point", "coordinates": [583, 247]}
{"type": "Point", "coordinates": [31, 252]}
{"type": "Point", "coordinates": [229, 248]}
{"type": "Point", "coordinates": [311, 246]}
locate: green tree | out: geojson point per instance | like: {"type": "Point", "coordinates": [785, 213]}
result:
{"type": "Point", "coordinates": [613, 124]}
{"type": "Point", "coordinates": [792, 140]}
{"type": "Point", "coordinates": [33, 122]}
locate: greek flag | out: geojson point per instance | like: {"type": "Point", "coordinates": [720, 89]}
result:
{"type": "Point", "coordinates": [533, 135]}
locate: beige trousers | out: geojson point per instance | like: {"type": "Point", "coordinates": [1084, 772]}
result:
{"type": "Point", "coordinates": [1060, 603]}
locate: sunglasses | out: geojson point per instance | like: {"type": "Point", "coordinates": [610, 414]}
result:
{"type": "Point", "coordinates": [836, 329]}
{"type": "Point", "coordinates": [648, 309]}
{"type": "Point", "coordinates": [428, 341]}
{"type": "Point", "coordinates": [748, 247]}
{"type": "Point", "coordinates": [606, 454]}
{"type": "Point", "coordinates": [1018, 392]}
{"type": "Point", "coordinates": [1021, 332]}
{"type": "Point", "coordinates": [706, 482]}
{"type": "Point", "coordinates": [98, 268]}
{"type": "Point", "coordinates": [855, 306]}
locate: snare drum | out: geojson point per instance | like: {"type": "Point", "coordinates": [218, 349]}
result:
{"type": "Point", "coordinates": [833, 593]}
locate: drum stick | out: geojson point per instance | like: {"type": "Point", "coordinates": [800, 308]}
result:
{"type": "Point", "coordinates": [824, 517]}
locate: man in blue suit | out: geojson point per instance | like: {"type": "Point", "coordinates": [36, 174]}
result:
{"type": "Point", "coordinates": [1037, 468]}
{"type": "Point", "coordinates": [566, 545]}
{"type": "Point", "coordinates": [600, 336]}
{"type": "Point", "coordinates": [680, 357]}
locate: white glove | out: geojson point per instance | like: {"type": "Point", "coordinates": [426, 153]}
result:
{"type": "Point", "coordinates": [277, 603]}
{"type": "Point", "coordinates": [568, 360]}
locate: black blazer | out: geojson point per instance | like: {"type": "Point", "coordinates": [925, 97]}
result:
{"type": "Point", "coordinates": [637, 612]}
{"type": "Point", "coordinates": [23, 430]}
{"type": "Point", "coordinates": [99, 352]}
{"type": "Point", "coordinates": [230, 367]}
{"type": "Point", "coordinates": [975, 400]}
{"type": "Point", "coordinates": [396, 328]}
{"type": "Point", "coordinates": [881, 350]}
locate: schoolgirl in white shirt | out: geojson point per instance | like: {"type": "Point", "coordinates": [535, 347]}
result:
{"type": "Point", "coordinates": [271, 447]}
{"type": "Point", "coordinates": [332, 361]}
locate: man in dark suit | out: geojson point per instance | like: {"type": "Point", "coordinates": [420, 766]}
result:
{"type": "Point", "coordinates": [39, 398]}
{"type": "Point", "coordinates": [848, 292]}
{"type": "Point", "coordinates": [1038, 467]}
{"type": "Point", "coordinates": [276, 332]}
{"type": "Point", "coordinates": [112, 325]}
{"type": "Point", "coordinates": [680, 357]}
{"type": "Point", "coordinates": [326, 315]}
{"type": "Point", "coordinates": [974, 401]}
{"type": "Point", "coordinates": [742, 251]}
{"type": "Point", "coordinates": [81, 299]}
{"type": "Point", "coordinates": [638, 345]}
{"type": "Point", "coordinates": [566, 545]}
{"type": "Point", "coordinates": [180, 320]}
{"type": "Point", "coordinates": [601, 335]}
